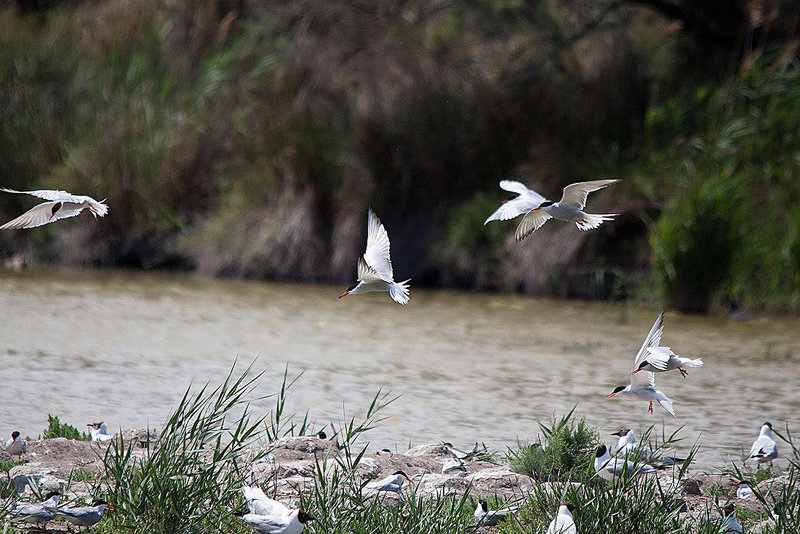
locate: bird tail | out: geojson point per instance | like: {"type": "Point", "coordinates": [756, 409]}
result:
{"type": "Point", "coordinates": [100, 208]}
{"type": "Point", "coordinates": [590, 220]}
{"type": "Point", "coordinates": [666, 402]}
{"type": "Point", "coordinates": [692, 363]}
{"type": "Point", "coordinates": [399, 291]}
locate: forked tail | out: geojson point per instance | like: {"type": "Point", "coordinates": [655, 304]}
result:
{"type": "Point", "coordinates": [692, 363]}
{"type": "Point", "coordinates": [399, 291]}
{"type": "Point", "coordinates": [593, 220]}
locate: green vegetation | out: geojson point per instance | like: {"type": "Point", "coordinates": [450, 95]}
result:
{"type": "Point", "coordinates": [248, 138]}
{"type": "Point", "coordinates": [57, 429]}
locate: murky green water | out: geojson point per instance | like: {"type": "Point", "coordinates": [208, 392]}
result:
{"type": "Point", "coordinates": [123, 347]}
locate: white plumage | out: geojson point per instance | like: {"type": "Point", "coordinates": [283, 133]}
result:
{"type": "Point", "coordinates": [59, 205]}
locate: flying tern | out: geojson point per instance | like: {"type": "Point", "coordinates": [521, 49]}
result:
{"type": "Point", "coordinates": [610, 468]}
{"type": "Point", "coordinates": [17, 445]}
{"type": "Point", "coordinates": [538, 210]}
{"type": "Point", "coordinates": [375, 266]}
{"type": "Point", "coordinates": [38, 513]}
{"type": "Point", "coordinates": [662, 359]}
{"type": "Point", "coordinates": [59, 205]}
{"type": "Point", "coordinates": [293, 523]}
{"type": "Point", "coordinates": [642, 384]}
{"type": "Point", "coordinates": [393, 482]}
{"type": "Point", "coordinates": [85, 516]}
{"type": "Point", "coordinates": [260, 504]}
{"type": "Point", "coordinates": [486, 517]}
{"type": "Point", "coordinates": [628, 447]}
{"type": "Point", "coordinates": [764, 448]}
{"type": "Point", "coordinates": [563, 523]}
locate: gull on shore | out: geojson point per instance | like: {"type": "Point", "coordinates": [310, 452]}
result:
{"type": "Point", "coordinates": [485, 517]}
{"type": "Point", "coordinates": [563, 522]}
{"type": "Point", "coordinates": [764, 448]}
{"type": "Point", "coordinates": [610, 468]}
{"type": "Point", "coordinates": [16, 446]}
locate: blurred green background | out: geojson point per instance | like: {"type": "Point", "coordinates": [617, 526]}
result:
{"type": "Point", "coordinates": [247, 138]}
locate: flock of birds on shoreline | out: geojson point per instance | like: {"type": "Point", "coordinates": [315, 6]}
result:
{"type": "Point", "coordinates": [375, 273]}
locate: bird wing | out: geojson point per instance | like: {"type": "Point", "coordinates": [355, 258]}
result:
{"type": "Point", "coordinates": [50, 194]}
{"type": "Point", "coordinates": [525, 202]}
{"type": "Point", "coordinates": [38, 216]}
{"type": "Point", "coordinates": [575, 194]}
{"type": "Point", "coordinates": [652, 340]}
{"type": "Point", "coordinates": [260, 504]}
{"type": "Point", "coordinates": [377, 253]}
{"type": "Point", "coordinates": [763, 446]}
{"type": "Point", "coordinates": [658, 357]}
{"type": "Point", "coordinates": [532, 221]}
{"type": "Point", "coordinates": [265, 523]}
{"type": "Point", "coordinates": [643, 380]}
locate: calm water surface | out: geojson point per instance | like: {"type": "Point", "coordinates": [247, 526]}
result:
{"type": "Point", "coordinates": [123, 347]}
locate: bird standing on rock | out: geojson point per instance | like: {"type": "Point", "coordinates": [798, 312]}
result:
{"type": "Point", "coordinates": [375, 266]}
{"type": "Point", "coordinates": [393, 482]}
{"type": "Point", "coordinates": [59, 205]}
{"type": "Point", "coordinates": [486, 517]}
{"type": "Point", "coordinates": [764, 448]}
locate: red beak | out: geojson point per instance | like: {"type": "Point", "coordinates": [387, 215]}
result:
{"type": "Point", "coordinates": [344, 294]}
{"type": "Point", "coordinates": [612, 394]}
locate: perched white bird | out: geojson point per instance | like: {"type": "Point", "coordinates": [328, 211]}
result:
{"type": "Point", "coordinates": [293, 523]}
{"type": "Point", "coordinates": [38, 513]}
{"type": "Point", "coordinates": [17, 445]}
{"type": "Point", "coordinates": [642, 384]}
{"type": "Point", "coordinates": [743, 490]}
{"type": "Point", "coordinates": [393, 482]}
{"type": "Point", "coordinates": [484, 516]}
{"type": "Point", "coordinates": [375, 267]}
{"type": "Point", "coordinates": [464, 455]}
{"type": "Point", "coordinates": [454, 466]}
{"type": "Point", "coordinates": [729, 521]}
{"type": "Point", "coordinates": [764, 448]}
{"type": "Point", "coordinates": [563, 523]}
{"type": "Point", "coordinates": [610, 468]}
{"type": "Point", "coordinates": [538, 210]}
{"type": "Point", "coordinates": [59, 205]}
{"type": "Point", "coordinates": [628, 447]}
{"type": "Point", "coordinates": [85, 516]}
{"type": "Point", "coordinates": [525, 201]}
{"type": "Point", "coordinates": [98, 431]}
{"type": "Point", "coordinates": [260, 504]}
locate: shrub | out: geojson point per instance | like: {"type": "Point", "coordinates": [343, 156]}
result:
{"type": "Point", "coordinates": [57, 429]}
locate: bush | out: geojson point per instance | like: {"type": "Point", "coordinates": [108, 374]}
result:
{"type": "Point", "coordinates": [57, 429]}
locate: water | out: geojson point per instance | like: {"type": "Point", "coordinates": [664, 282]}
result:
{"type": "Point", "coordinates": [123, 347]}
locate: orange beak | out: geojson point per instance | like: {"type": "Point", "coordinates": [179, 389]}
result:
{"type": "Point", "coordinates": [612, 394]}
{"type": "Point", "coordinates": [344, 294]}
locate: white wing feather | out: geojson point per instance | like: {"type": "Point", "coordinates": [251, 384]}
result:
{"type": "Point", "coordinates": [39, 215]}
{"type": "Point", "coordinates": [377, 253]}
{"type": "Point", "coordinates": [54, 195]}
{"type": "Point", "coordinates": [532, 221]}
{"type": "Point", "coordinates": [575, 194]}
{"type": "Point", "coordinates": [651, 341]}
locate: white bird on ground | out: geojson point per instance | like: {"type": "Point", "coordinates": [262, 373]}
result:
{"type": "Point", "coordinates": [743, 490]}
{"type": "Point", "coordinates": [38, 513]}
{"type": "Point", "coordinates": [628, 447]}
{"type": "Point", "coordinates": [642, 384]}
{"type": "Point", "coordinates": [454, 466]}
{"type": "Point", "coordinates": [59, 205]}
{"type": "Point", "coordinates": [393, 482]}
{"type": "Point", "coordinates": [85, 516]}
{"type": "Point", "coordinates": [525, 201]}
{"type": "Point", "coordinates": [537, 212]}
{"type": "Point", "coordinates": [610, 468]}
{"type": "Point", "coordinates": [375, 267]}
{"type": "Point", "coordinates": [16, 446]}
{"type": "Point", "coordinates": [563, 523]}
{"type": "Point", "coordinates": [486, 517]}
{"type": "Point", "coordinates": [764, 448]}
{"type": "Point", "coordinates": [260, 504]}
{"type": "Point", "coordinates": [294, 523]}
{"type": "Point", "coordinates": [98, 431]}
{"type": "Point", "coordinates": [729, 522]}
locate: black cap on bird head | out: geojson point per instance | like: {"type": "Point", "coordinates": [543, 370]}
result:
{"type": "Point", "coordinates": [51, 494]}
{"type": "Point", "coordinates": [15, 434]}
{"type": "Point", "coordinates": [569, 506]}
{"type": "Point", "coordinates": [729, 509]}
{"type": "Point", "coordinates": [616, 390]}
{"type": "Point", "coordinates": [601, 451]}
{"type": "Point", "coordinates": [304, 517]}
{"type": "Point", "coordinates": [402, 473]}
{"type": "Point", "coordinates": [56, 207]}
{"type": "Point", "coordinates": [546, 203]}
{"type": "Point", "coordinates": [768, 424]}
{"type": "Point", "coordinates": [484, 506]}
{"type": "Point", "coordinates": [621, 432]}
{"type": "Point", "coordinates": [642, 365]}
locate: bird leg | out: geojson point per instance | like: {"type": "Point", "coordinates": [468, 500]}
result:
{"type": "Point", "coordinates": [650, 408]}
{"type": "Point", "coordinates": [683, 373]}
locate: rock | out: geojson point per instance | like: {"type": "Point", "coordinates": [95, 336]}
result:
{"type": "Point", "coordinates": [692, 486]}
{"type": "Point", "coordinates": [429, 449]}
{"type": "Point", "coordinates": [436, 484]}
{"type": "Point", "coordinates": [499, 481]}
{"type": "Point", "coordinates": [34, 474]}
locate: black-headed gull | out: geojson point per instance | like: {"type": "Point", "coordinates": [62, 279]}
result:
{"type": "Point", "coordinates": [17, 445]}
{"type": "Point", "coordinates": [729, 521]}
{"type": "Point", "coordinates": [38, 513]}
{"type": "Point", "coordinates": [59, 205]}
{"type": "Point", "coordinates": [764, 448]}
{"type": "Point", "coordinates": [393, 482]}
{"type": "Point", "coordinates": [375, 267]}
{"type": "Point", "coordinates": [642, 384]}
{"type": "Point", "coordinates": [486, 517]}
{"type": "Point", "coordinates": [539, 210]}
{"type": "Point", "coordinates": [628, 447]}
{"type": "Point", "coordinates": [85, 516]}
{"type": "Point", "coordinates": [563, 523]}
{"type": "Point", "coordinates": [293, 523]}
{"type": "Point", "coordinates": [98, 431]}
{"type": "Point", "coordinates": [610, 468]}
